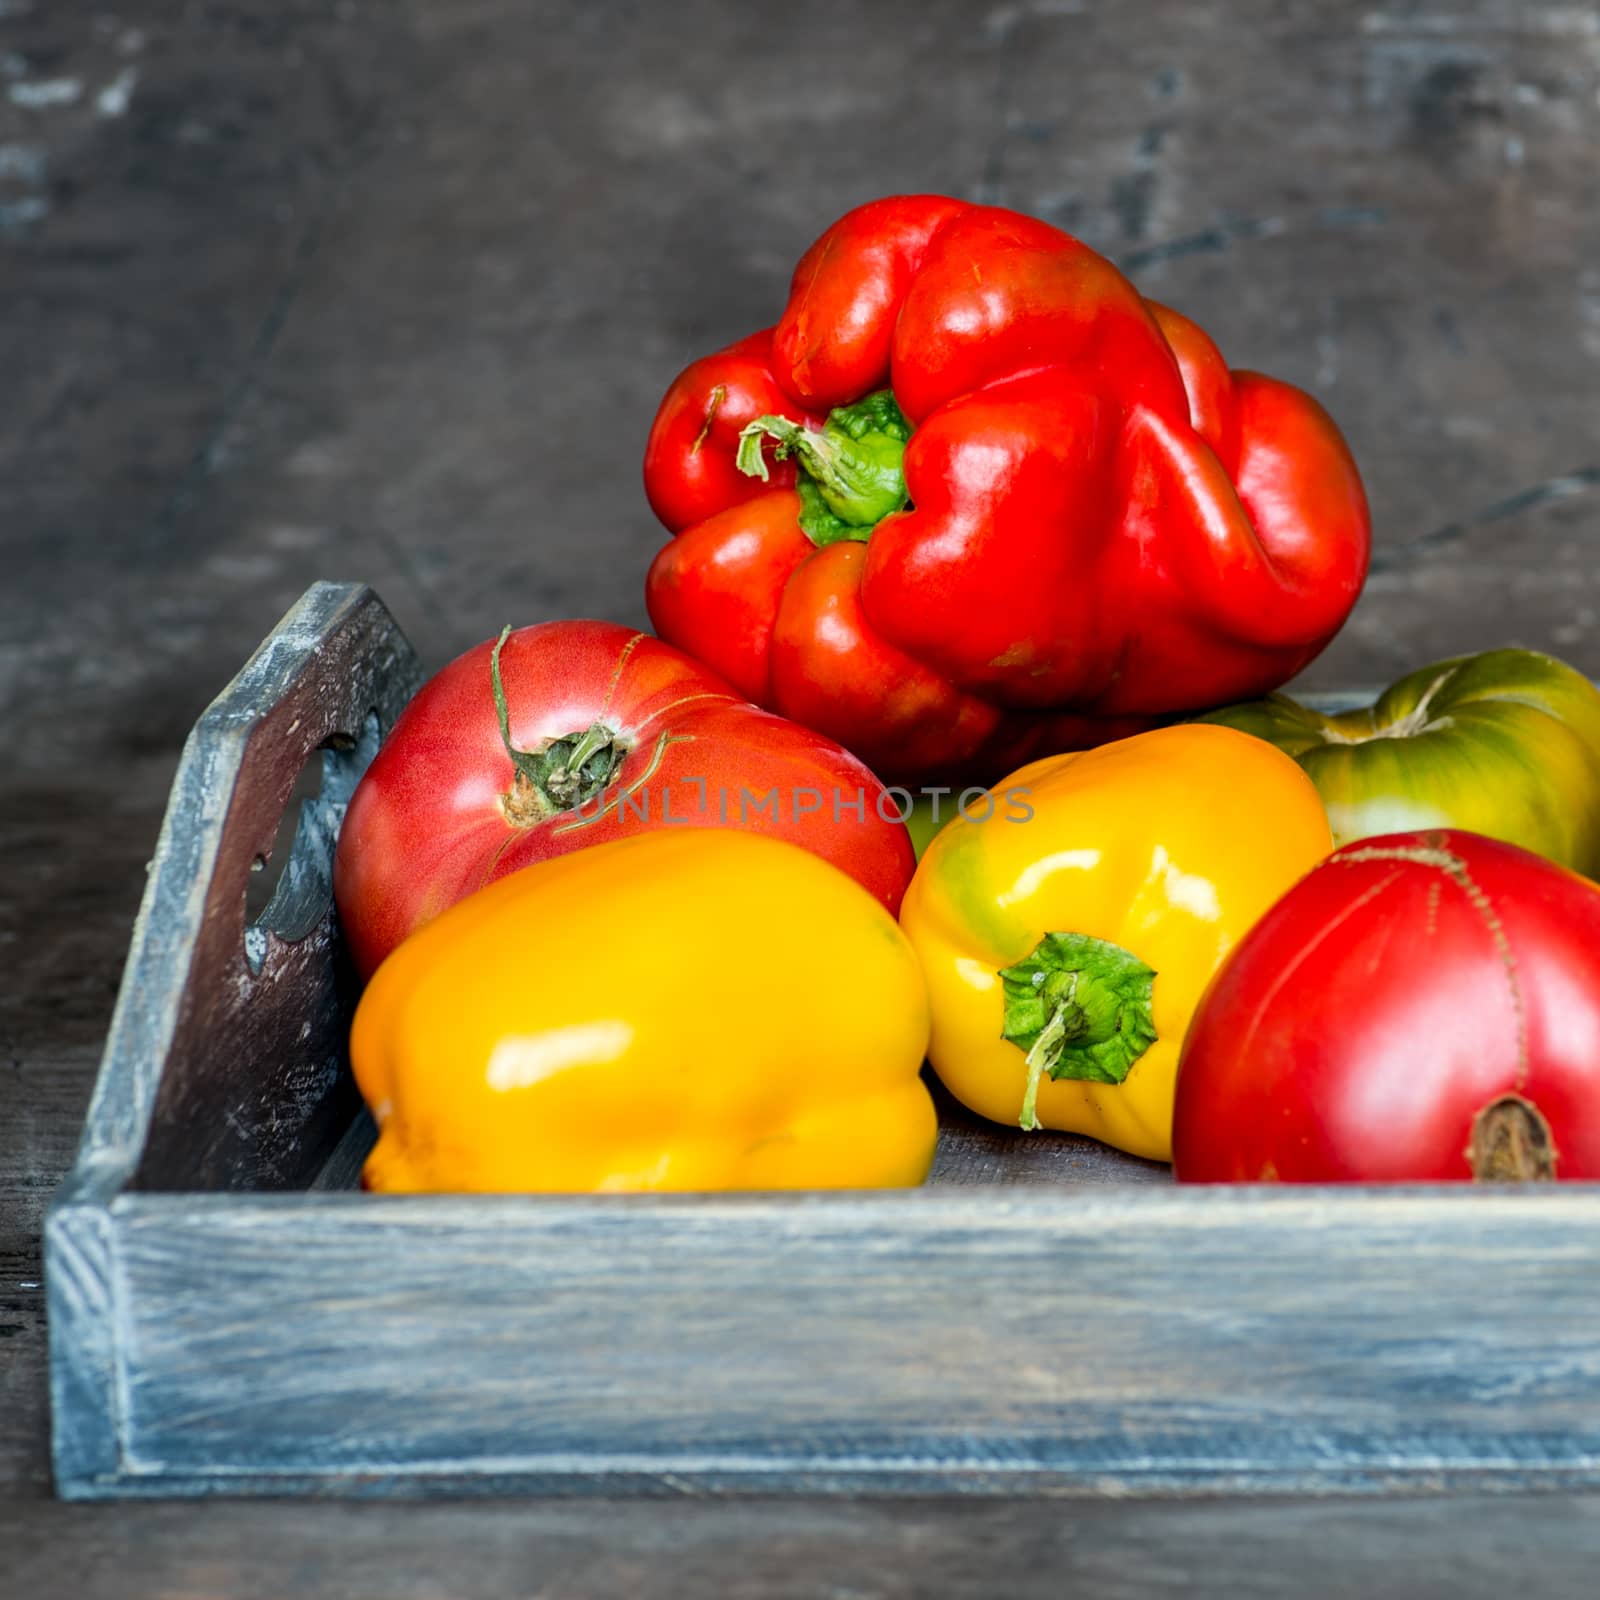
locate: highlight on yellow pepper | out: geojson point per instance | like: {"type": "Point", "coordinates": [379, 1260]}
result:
{"type": "Point", "coordinates": [682, 1009]}
{"type": "Point", "coordinates": [1067, 937]}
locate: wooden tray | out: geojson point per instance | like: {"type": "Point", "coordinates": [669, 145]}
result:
{"type": "Point", "coordinates": [1044, 1316]}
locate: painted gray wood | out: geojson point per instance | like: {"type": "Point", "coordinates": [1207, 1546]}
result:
{"type": "Point", "coordinates": [1103, 1340]}
{"type": "Point", "coordinates": [224, 1063]}
{"type": "Point", "coordinates": [1048, 1315]}
{"type": "Point", "coordinates": [221, 1068]}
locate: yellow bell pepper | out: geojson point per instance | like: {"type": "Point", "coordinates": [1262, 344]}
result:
{"type": "Point", "coordinates": [694, 1009]}
{"type": "Point", "coordinates": [1067, 936]}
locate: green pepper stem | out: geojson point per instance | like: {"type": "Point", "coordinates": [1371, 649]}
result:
{"type": "Point", "coordinates": [1078, 1007]}
{"type": "Point", "coordinates": [818, 454]}
{"type": "Point", "coordinates": [851, 469]}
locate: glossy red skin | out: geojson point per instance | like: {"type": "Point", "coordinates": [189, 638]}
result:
{"type": "Point", "coordinates": [1105, 521]}
{"type": "Point", "coordinates": [689, 473]}
{"type": "Point", "coordinates": [720, 582]}
{"type": "Point", "coordinates": [1360, 1027]}
{"type": "Point", "coordinates": [426, 825]}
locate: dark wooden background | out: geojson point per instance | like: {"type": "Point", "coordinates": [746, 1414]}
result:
{"type": "Point", "coordinates": [342, 288]}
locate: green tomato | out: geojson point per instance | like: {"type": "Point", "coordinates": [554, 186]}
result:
{"type": "Point", "coordinates": [1506, 743]}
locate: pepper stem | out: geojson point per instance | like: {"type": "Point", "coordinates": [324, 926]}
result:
{"type": "Point", "coordinates": [851, 474]}
{"type": "Point", "coordinates": [1053, 1034]}
{"type": "Point", "coordinates": [816, 452]}
{"type": "Point", "coordinates": [1079, 1007]}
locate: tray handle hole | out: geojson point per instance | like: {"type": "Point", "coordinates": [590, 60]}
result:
{"type": "Point", "coordinates": [291, 887]}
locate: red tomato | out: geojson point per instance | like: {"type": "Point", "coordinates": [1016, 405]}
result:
{"type": "Point", "coordinates": [1421, 1006]}
{"type": "Point", "coordinates": [590, 731]}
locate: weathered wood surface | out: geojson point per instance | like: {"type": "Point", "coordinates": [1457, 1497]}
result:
{"type": "Point", "coordinates": [246, 1019]}
{"type": "Point", "coordinates": [384, 291]}
{"type": "Point", "coordinates": [1091, 1340]}
{"type": "Point", "coordinates": [224, 1067]}
{"type": "Point", "coordinates": [1543, 1545]}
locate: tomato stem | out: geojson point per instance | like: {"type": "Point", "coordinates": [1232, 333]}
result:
{"type": "Point", "coordinates": [520, 759]}
{"type": "Point", "coordinates": [564, 773]}
{"type": "Point", "coordinates": [565, 780]}
{"type": "Point", "coordinates": [1511, 1143]}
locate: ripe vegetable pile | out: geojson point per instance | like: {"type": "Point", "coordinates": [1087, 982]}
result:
{"type": "Point", "coordinates": [974, 515]}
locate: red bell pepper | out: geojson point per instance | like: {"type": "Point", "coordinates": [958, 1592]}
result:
{"type": "Point", "coordinates": [1032, 510]}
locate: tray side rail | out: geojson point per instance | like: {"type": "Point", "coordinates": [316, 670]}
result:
{"type": "Point", "coordinates": [1117, 1340]}
{"type": "Point", "coordinates": [224, 1064]}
